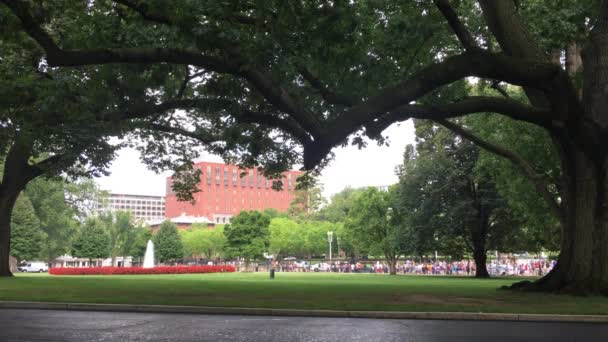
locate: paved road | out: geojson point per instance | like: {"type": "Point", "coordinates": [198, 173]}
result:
{"type": "Point", "coordinates": [43, 325]}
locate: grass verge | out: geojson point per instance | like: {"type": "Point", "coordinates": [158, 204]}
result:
{"type": "Point", "coordinates": [298, 291]}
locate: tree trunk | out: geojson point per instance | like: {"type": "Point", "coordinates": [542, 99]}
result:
{"type": "Point", "coordinates": [481, 270]}
{"type": "Point", "coordinates": [7, 203]}
{"type": "Point", "coordinates": [582, 266]}
{"type": "Point", "coordinates": [392, 264]}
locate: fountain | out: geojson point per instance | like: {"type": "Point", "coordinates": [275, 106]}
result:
{"type": "Point", "coordinates": [149, 256]}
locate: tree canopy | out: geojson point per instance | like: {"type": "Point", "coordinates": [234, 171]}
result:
{"type": "Point", "coordinates": [92, 241]}
{"type": "Point", "coordinates": [247, 235]}
{"type": "Point", "coordinates": [168, 245]}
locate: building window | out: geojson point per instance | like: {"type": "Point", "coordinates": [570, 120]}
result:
{"type": "Point", "coordinates": [260, 179]}
{"type": "Point", "coordinates": [208, 174]}
{"type": "Point", "coordinates": [226, 177]}
{"type": "Point", "coordinates": [217, 175]}
{"type": "Point", "coordinates": [251, 178]}
{"type": "Point", "coordinates": [243, 181]}
{"type": "Point", "coordinates": [235, 179]}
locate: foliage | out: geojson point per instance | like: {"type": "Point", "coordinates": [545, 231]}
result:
{"type": "Point", "coordinates": [454, 202]}
{"type": "Point", "coordinates": [27, 239]}
{"type": "Point", "coordinates": [202, 241]}
{"type": "Point", "coordinates": [55, 212]}
{"type": "Point", "coordinates": [306, 202]}
{"type": "Point", "coordinates": [142, 236]}
{"type": "Point", "coordinates": [92, 241]}
{"type": "Point", "coordinates": [339, 207]}
{"type": "Point", "coordinates": [167, 243]}
{"type": "Point", "coordinates": [374, 225]}
{"type": "Point", "coordinates": [122, 232]}
{"type": "Point", "coordinates": [141, 270]}
{"type": "Point", "coordinates": [247, 235]}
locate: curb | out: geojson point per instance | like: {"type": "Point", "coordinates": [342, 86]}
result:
{"type": "Point", "coordinates": [469, 316]}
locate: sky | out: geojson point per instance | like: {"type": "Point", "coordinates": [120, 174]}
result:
{"type": "Point", "coordinates": [351, 167]}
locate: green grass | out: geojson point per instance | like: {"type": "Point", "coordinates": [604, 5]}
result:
{"type": "Point", "coordinates": [298, 291]}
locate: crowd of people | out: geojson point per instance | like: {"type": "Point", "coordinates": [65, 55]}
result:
{"type": "Point", "coordinates": [508, 267]}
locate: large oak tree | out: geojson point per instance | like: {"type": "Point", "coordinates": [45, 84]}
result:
{"type": "Point", "coordinates": [325, 71]}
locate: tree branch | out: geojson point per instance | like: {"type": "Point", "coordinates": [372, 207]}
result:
{"type": "Point", "coordinates": [286, 124]}
{"type": "Point", "coordinates": [463, 34]}
{"type": "Point", "coordinates": [329, 96]}
{"type": "Point", "coordinates": [143, 10]}
{"type": "Point", "coordinates": [477, 63]}
{"type": "Point", "coordinates": [203, 137]}
{"type": "Point", "coordinates": [262, 81]}
{"type": "Point", "coordinates": [536, 178]}
{"type": "Point", "coordinates": [480, 104]}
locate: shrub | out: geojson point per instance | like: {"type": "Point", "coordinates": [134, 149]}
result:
{"type": "Point", "coordinates": [141, 270]}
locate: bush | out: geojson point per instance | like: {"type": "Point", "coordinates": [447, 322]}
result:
{"type": "Point", "coordinates": [141, 270]}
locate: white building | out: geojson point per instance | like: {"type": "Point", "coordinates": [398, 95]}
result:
{"type": "Point", "coordinates": [142, 207]}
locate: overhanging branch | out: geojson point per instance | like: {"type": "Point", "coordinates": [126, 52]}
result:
{"type": "Point", "coordinates": [328, 95]}
{"type": "Point", "coordinates": [537, 179]}
{"type": "Point", "coordinates": [235, 65]}
{"type": "Point", "coordinates": [463, 34]}
{"type": "Point", "coordinates": [479, 104]}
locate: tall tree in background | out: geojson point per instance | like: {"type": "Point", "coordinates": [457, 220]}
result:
{"type": "Point", "coordinates": [27, 239]}
{"type": "Point", "coordinates": [122, 232]}
{"type": "Point", "coordinates": [269, 64]}
{"type": "Point", "coordinates": [307, 201]}
{"type": "Point", "coordinates": [167, 243]}
{"type": "Point", "coordinates": [92, 241]}
{"type": "Point", "coordinates": [455, 205]}
{"type": "Point", "coordinates": [57, 216]}
{"type": "Point", "coordinates": [247, 236]}
{"type": "Point", "coordinates": [372, 222]}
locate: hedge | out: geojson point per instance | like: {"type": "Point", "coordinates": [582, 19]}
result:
{"type": "Point", "coordinates": [141, 270]}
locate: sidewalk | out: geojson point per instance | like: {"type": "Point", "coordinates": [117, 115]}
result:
{"type": "Point", "coordinates": [470, 316]}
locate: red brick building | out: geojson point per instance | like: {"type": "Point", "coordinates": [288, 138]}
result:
{"type": "Point", "coordinates": [223, 193]}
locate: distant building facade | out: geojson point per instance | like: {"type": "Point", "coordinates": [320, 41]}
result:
{"type": "Point", "coordinates": [224, 193]}
{"type": "Point", "coordinates": [143, 208]}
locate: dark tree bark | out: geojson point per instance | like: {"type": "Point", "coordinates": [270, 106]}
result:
{"type": "Point", "coordinates": [17, 173]}
{"type": "Point", "coordinates": [7, 203]}
{"type": "Point", "coordinates": [481, 269]}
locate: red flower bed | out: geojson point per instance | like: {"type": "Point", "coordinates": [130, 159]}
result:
{"type": "Point", "coordinates": [141, 270]}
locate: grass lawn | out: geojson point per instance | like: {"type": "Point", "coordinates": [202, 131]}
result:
{"type": "Point", "coordinates": [298, 290]}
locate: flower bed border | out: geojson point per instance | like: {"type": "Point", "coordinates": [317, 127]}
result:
{"type": "Point", "coordinates": [141, 270]}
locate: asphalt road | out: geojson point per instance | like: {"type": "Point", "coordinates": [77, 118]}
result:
{"type": "Point", "coordinates": [46, 325]}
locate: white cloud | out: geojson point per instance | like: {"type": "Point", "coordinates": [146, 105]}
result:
{"type": "Point", "coordinates": [373, 165]}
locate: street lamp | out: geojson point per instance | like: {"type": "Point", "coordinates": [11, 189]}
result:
{"type": "Point", "coordinates": [330, 238]}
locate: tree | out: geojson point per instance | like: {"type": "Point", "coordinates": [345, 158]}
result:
{"type": "Point", "coordinates": [453, 203]}
{"type": "Point", "coordinates": [202, 241]}
{"type": "Point", "coordinates": [121, 229]}
{"type": "Point", "coordinates": [286, 238]}
{"type": "Point", "coordinates": [247, 235]}
{"type": "Point", "coordinates": [56, 214]}
{"type": "Point", "coordinates": [167, 243]}
{"type": "Point", "coordinates": [339, 207]}
{"type": "Point", "coordinates": [373, 223]}
{"type": "Point", "coordinates": [268, 65]}
{"type": "Point", "coordinates": [92, 241]}
{"type": "Point", "coordinates": [140, 244]}
{"type": "Point", "coordinates": [27, 239]}
{"type": "Point", "coordinates": [306, 202]}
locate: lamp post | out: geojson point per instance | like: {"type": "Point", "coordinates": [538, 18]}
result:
{"type": "Point", "coordinates": [330, 238]}
{"type": "Point", "coordinates": [339, 250]}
